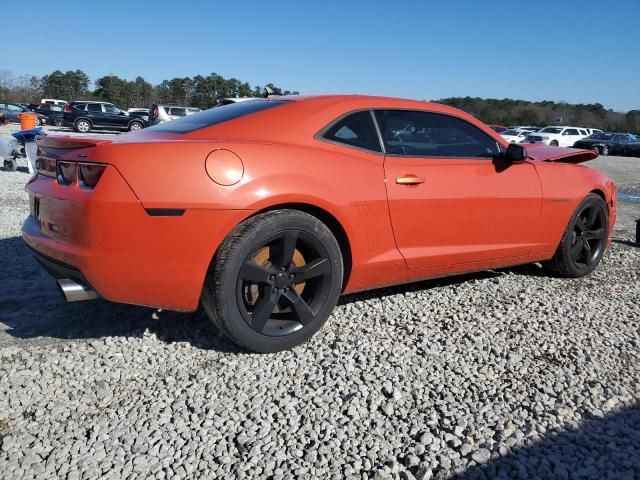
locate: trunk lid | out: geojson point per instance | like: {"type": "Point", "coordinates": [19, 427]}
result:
{"type": "Point", "coordinates": [543, 153]}
{"type": "Point", "coordinates": [63, 147]}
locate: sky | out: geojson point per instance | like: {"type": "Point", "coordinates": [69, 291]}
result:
{"type": "Point", "coordinates": [586, 51]}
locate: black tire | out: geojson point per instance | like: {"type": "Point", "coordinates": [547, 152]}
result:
{"type": "Point", "coordinates": [584, 239]}
{"type": "Point", "coordinates": [274, 281]}
{"type": "Point", "coordinates": [57, 122]}
{"type": "Point", "coordinates": [82, 125]}
{"type": "Point", "coordinates": [135, 126]}
{"type": "Point", "coordinates": [10, 164]}
{"type": "Point", "coordinates": [604, 151]}
{"type": "Point", "coordinates": [553, 143]}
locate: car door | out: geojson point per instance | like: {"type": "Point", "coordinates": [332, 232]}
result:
{"type": "Point", "coordinates": [569, 137]}
{"type": "Point", "coordinates": [95, 114]}
{"type": "Point", "coordinates": [450, 201]}
{"type": "Point", "coordinates": [115, 117]}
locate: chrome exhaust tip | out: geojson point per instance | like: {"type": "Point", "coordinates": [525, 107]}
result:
{"type": "Point", "coordinates": [75, 292]}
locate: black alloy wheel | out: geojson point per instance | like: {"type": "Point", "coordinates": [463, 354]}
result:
{"type": "Point", "coordinates": [589, 235]}
{"type": "Point", "coordinates": [584, 240]}
{"type": "Point", "coordinates": [282, 285]}
{"type": "Point", "coordinates": [274, 281]}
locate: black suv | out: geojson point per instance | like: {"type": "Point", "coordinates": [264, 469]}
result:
{"type": "Point", "coordinates": [86, 115]}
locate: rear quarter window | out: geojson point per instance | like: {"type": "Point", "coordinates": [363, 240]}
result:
{"type": "Point", "coordinates": [213, 116]}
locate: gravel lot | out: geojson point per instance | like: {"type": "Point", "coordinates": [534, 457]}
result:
{"type": "Point", "coordinates": [503, 374]}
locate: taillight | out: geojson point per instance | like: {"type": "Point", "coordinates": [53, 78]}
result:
{"type": "Point", "coordinates": [66, 172]}
{"type": "Point", "coordinates": [86, 174]}
{"type": "Point", "coordinates": [67, 108]}
{"type": "Point", "coordinates": [89, 174]}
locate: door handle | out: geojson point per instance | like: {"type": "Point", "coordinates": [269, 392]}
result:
{"type": "Point", "coordinates": [409, 179]}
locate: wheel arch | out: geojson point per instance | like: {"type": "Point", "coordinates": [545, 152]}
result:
{"type": "Point", "coordinates": [330, 221]}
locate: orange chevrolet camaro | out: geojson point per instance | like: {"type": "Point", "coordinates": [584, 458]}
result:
{"type": "Point", "coordinates": [265, 211]}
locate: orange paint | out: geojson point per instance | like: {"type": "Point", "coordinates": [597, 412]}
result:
{"type": "Point", "coordinates": [467, 215]}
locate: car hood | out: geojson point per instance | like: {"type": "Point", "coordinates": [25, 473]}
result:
{"type": "Point", "coordinates": [543, 153]}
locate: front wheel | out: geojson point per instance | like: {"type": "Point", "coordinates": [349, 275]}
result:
{"type": "Point", "coordinates": [135, 126]}
{"type": "Point", "coordinates": [553, 143]}
{"type": "Point", "coordinates": [274, 280]}
{"type": "Point", "coordinates": [604, 151]}
{"type": "Point", "coordinates": [57, 122]}
{"type": "Point", "coordinates": [584, 239]}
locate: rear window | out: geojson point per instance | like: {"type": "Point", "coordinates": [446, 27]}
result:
{"type": "Point", "coordinates": [216, 115]}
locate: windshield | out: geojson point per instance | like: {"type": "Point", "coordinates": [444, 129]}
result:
{"type": "Point", "coordinates": [214, 116]}
{"type": "Point", "coordinates": [551, 130]}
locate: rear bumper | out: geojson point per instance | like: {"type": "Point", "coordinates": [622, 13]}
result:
{"type": "Point", "coordinates": [105, 239]}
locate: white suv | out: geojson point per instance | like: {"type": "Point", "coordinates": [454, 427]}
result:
{"type": "Point", "coordinates": [558, 136]}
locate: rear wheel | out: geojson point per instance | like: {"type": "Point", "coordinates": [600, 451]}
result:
{"type": "Point", "coordinates": [604, 151]}
{"type": "Point", "coordinates": [82, 126]}
{"type": "Point", "coordinates": [553, 143]}
{"type": "Point", "coordinates": [584, 239]}
{"type": "Point", "coordinates": [274, 281]}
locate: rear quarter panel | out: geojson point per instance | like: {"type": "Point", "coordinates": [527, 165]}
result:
{"type": "Point", "coordinates": [347, 183]}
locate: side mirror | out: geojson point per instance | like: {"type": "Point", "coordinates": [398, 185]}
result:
{"type": "Point", "coordinates": [515, 153]}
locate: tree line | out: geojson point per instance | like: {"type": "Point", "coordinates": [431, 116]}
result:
{"type": "Point", "coordinates": [522, 112]}
{"type": "Point", "coordinates": [204, 91]}
{"type": "Point", "coordinates": [198, 91]}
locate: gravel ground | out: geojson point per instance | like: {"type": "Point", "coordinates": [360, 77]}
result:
{"type": "Point", "coordinates": [503, 374]}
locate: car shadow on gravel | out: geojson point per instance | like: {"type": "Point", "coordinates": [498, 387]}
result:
{"type": "Point", "coordinates": [601, 447]}
{"type": "Point", "coordinates": [31, 308]}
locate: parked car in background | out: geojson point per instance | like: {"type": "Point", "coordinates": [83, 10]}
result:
{"type": "Point", "coordinates": [139, 112]}
{"type": "Point", "coordinates": [52, 112]}
{"type": "Point", "coordinates": [515, 136]}
{"type": "Point", "coordinates": [591, 131]}
{"type": "Point", "coordinates": [558, 136]}
{"type": "Point", "coordinates": [84, 116]}
{"type": "Point", "coordinates": [606, 143]}
{"type": "Point", "coordinates": [53, 101]}
{"type": "Point", "coordinates": [498, 128]}
{"type": "Point", "coordinates": [161, 113]}
{"type": "Point", "coordinates": [12, 111]}
{"type": "Point", "coordinates": [632, 149]}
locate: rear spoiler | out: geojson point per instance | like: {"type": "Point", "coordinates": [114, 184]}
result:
{"type": "Point", "coordinates": [543, 153]}
{"type": "Point", "coordinates": [67, 141]}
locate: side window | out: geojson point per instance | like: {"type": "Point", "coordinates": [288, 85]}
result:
{"type": "Point", "coordinates": [570, 131]}
{"type": "Point", "coordinates": [357, 130]}
{"type": "Point", "coordinates": [583, 132]}
{"type": "Point", "coordinates": [178, 112]}
{"type": "Point", "coordinates": [428, 134]}
{"type": "Point", "coordinates": [110, 109]}
{"type": "Point", "coordinates": [94, 107]}
{"type": "Point", "coordinates": [13, 108]}
{"type": "Point", "coordinates": [80, 106]}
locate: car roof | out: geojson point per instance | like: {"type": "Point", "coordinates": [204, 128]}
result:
{"type": "Point", "coordinates": [91, 101]}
